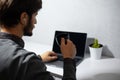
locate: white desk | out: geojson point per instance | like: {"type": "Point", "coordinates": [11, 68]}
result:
{"type": "Point", "coordinates": [103, 69]}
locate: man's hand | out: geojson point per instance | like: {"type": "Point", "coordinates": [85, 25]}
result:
{"type": "Point", "coordinates": [48, 56]}
{"type": "Point", "coordinates": [68, 50]}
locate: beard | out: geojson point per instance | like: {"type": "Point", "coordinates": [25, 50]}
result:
{"type": "Point", "coordinates": [28, 29]}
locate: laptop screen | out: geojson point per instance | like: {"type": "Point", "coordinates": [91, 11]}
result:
{"type": "Point", "coordinates": [79, 39]}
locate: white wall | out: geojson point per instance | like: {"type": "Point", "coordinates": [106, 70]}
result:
{"type": "Point", "coordinates": [98, 18]}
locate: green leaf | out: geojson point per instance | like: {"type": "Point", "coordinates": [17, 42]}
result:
{"type": "Point", "coordinates": [96, 44]}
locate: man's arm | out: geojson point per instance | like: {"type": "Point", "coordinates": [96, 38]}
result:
{"type": "Point", "coordinates": [69, 69]}
{"type": "Point", "coordinates": [36, 70]}
{"type": "Point", "coordinates": [69, 65]}
{"type": "Point", "coordinates": [69, 52]}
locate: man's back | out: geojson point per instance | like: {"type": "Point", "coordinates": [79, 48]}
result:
{"type": "Point", "coordinates": [15, 62]}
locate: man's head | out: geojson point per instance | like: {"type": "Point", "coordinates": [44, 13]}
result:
{"type": "Point", "coordinates": [14, 12]}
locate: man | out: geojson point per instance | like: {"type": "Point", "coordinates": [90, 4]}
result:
{"type": "Point", "coordinates": [17, 19]}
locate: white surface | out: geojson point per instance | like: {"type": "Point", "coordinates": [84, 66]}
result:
{"type": "Point", "coordinates": [91, 70]}
{"type": "Point", "coordinates": [103, 69]}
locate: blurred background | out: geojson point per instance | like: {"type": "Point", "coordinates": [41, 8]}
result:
{"type": "Point", "coordinates": [98, 18]}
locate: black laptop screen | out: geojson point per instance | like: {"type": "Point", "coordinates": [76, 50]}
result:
{"type": "Point", "coordinates": [79, 39]}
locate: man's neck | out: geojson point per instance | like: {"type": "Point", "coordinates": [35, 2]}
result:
{"type": "Point", "coordinates": [17, 31]}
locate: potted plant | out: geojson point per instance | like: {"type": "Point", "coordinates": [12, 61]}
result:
{"type": "Point", "coordinates": [95, 50]}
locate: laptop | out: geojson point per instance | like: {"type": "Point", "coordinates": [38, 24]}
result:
{"type": "Point", "coordinates": [79, 39]}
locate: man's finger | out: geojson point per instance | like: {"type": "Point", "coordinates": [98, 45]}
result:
{"type": "Point", "coordinates": [62, 41]}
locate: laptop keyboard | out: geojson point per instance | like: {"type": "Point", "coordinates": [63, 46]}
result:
{"type": "Point", "coordinates": [59, 62]}
{"type": "Point", "coordinates": [60, 58]}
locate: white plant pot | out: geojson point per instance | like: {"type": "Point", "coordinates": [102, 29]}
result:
{"type": "Point", "coordinates": [95, 53]}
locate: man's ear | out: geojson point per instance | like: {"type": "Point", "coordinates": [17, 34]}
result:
{"type": "Point", "coordinates": [24, 18]}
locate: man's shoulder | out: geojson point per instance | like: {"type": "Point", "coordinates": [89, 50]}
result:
{"type": "Point", "coordinates": [12, 52]}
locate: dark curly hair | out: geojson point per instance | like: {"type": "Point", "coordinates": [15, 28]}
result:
{"type": "Point", "coordinates": [10, 10]}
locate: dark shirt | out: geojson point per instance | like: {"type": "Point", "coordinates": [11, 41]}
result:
{"type": "Point", "coordinates": [16, 63]}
